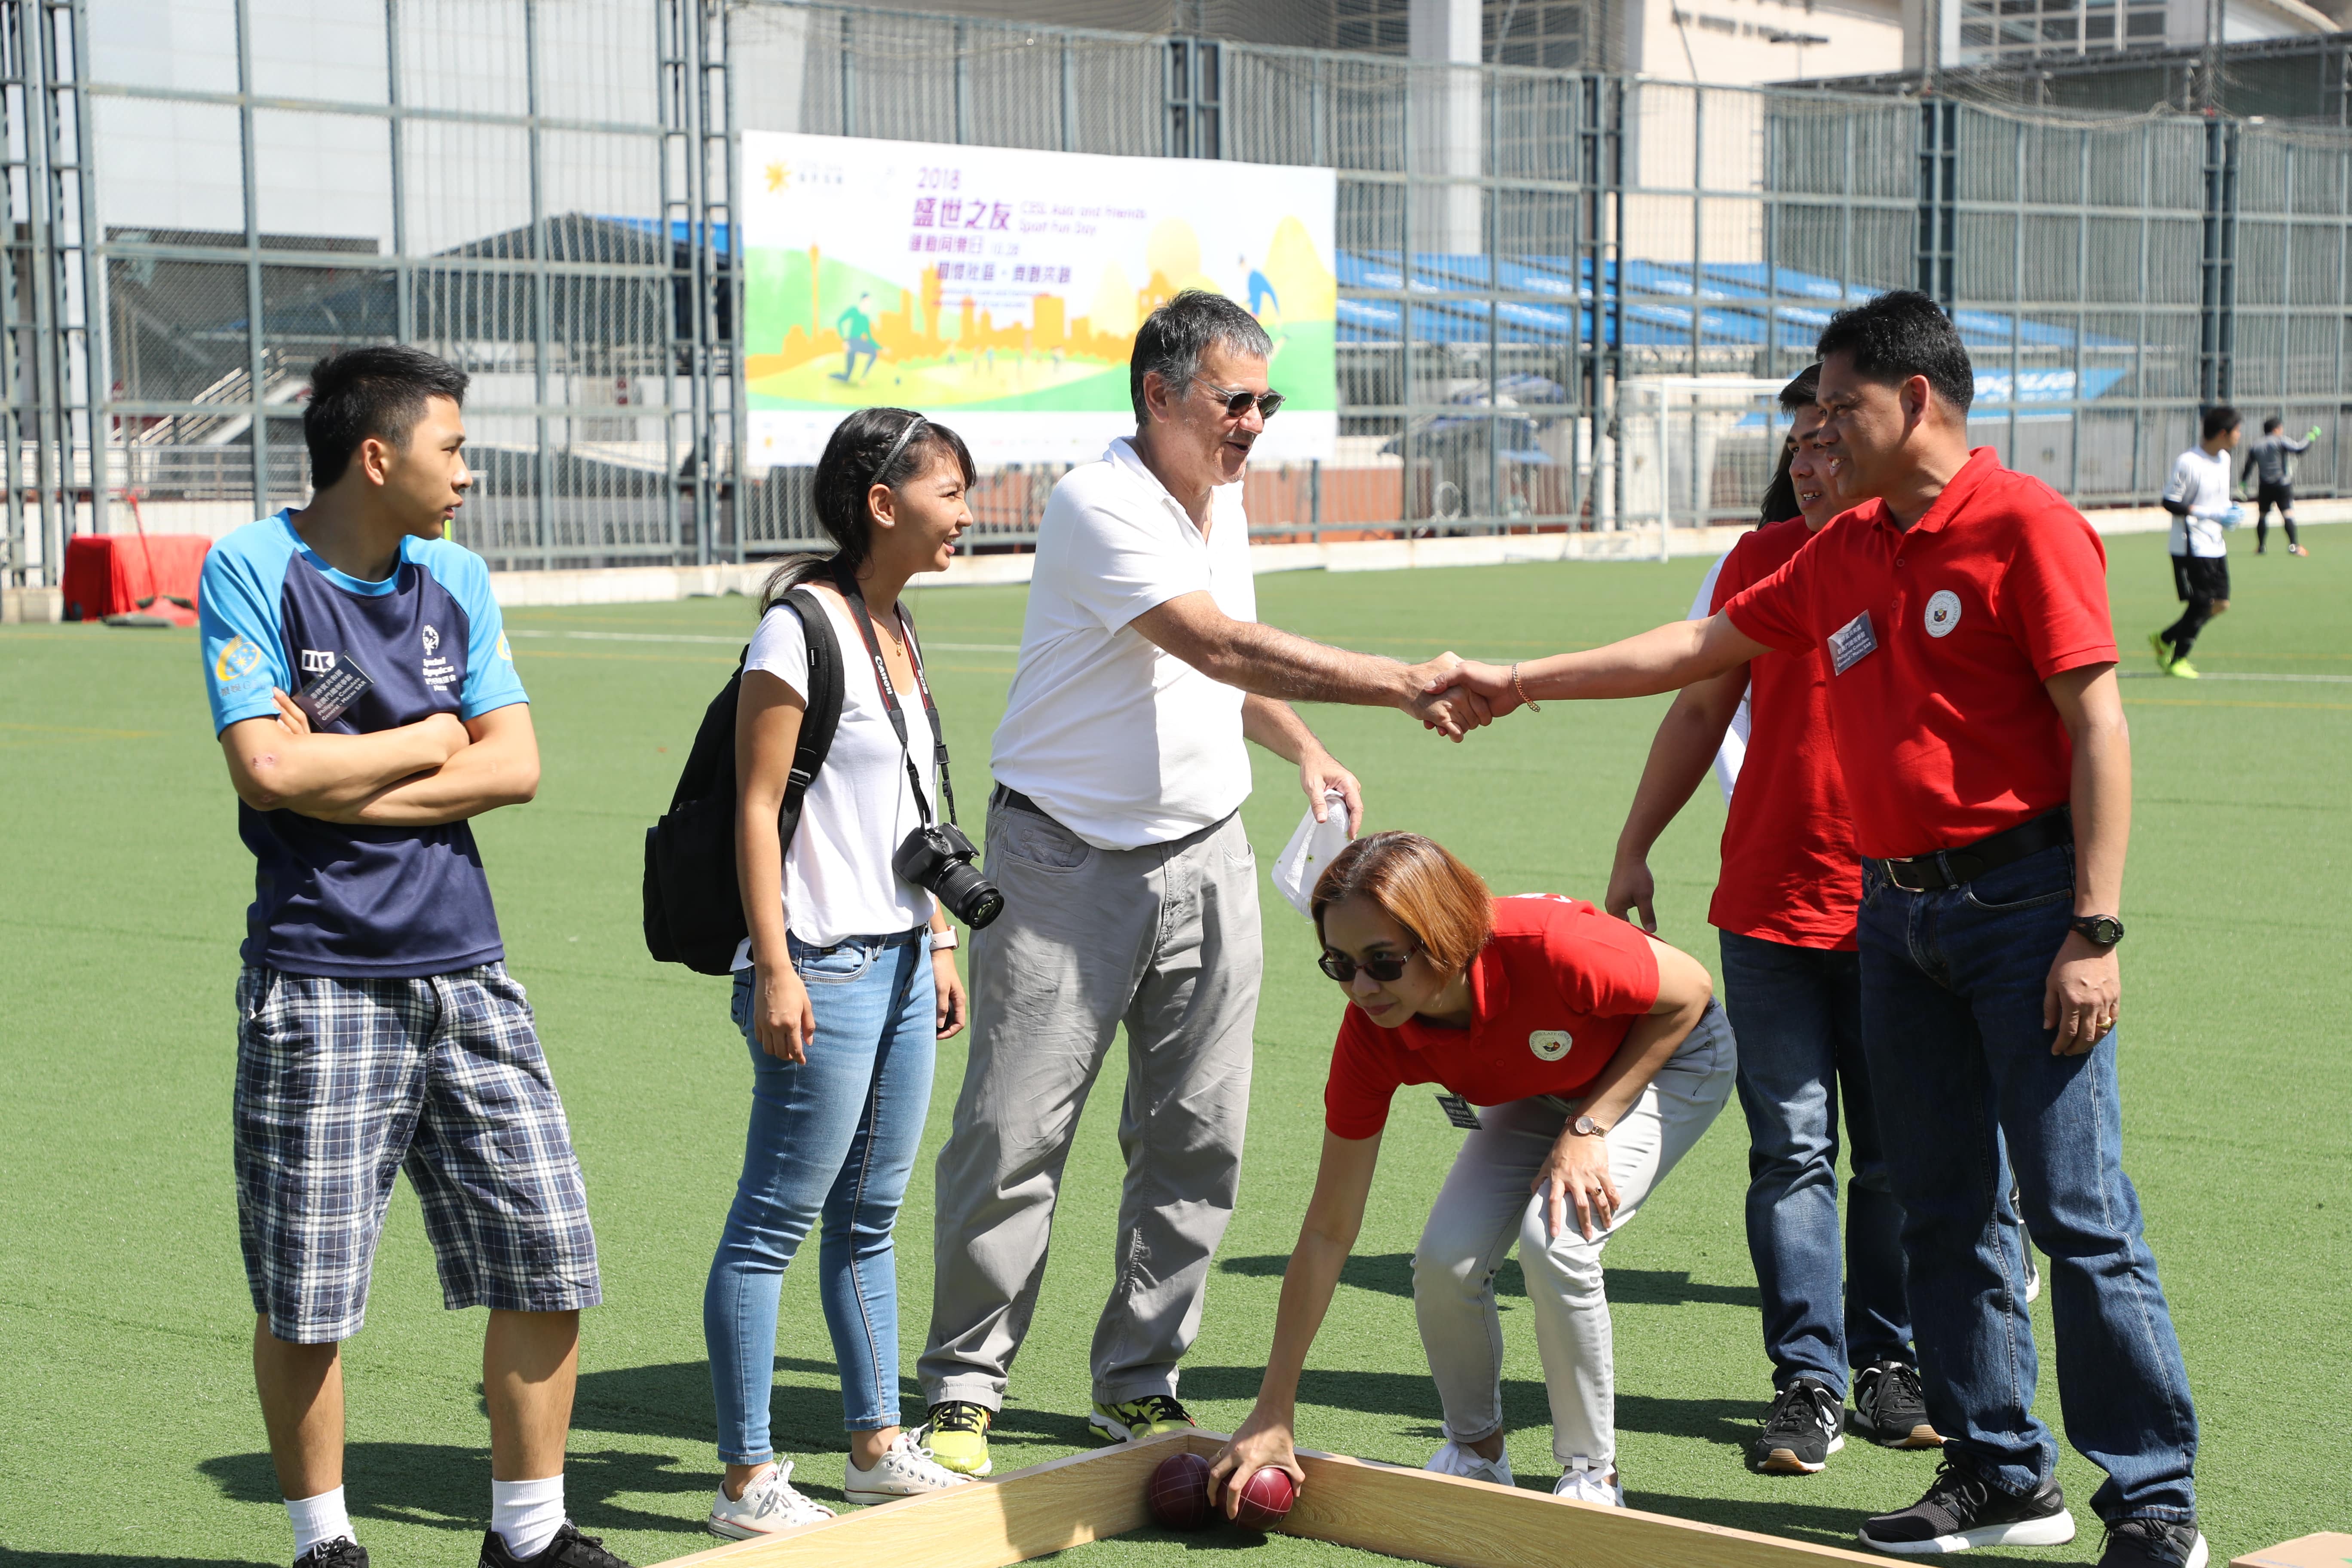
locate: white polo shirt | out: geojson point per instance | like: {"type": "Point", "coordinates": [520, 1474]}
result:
{"type": "Point", "coordinates": [1123, 743]}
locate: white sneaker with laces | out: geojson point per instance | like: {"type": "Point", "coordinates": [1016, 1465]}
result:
{"type": "Point", "coordinates": [1455, 1459]}
{"type": "Point", "coordinates": [1584, 1481]}
{"type": "Point", "coordinates": [767, 1505]}
{"type": "Point", "coordinates": [905, 1469]}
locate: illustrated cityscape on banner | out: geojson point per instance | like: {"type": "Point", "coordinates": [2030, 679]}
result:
{"type": "Point", "coordinates": [998, 290]}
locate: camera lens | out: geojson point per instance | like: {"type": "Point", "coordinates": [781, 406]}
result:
{"type": "Point", "coordinates": [971, 897]}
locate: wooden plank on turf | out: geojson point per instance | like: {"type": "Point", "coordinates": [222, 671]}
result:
{"type": "Point", "coordinates": [2325, 1549]}
{"type": "Point", "coordinates": [988, 1524]}
{"type": "Point", "coordinates": [1458, 1523]}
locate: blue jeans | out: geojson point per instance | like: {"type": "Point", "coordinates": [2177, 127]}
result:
{"type": "Point", "coordinates": [1951, 1011]}
{"type": "Point", "coordinates": [1797, 1012]}
{"type": "Point", "coordinates": [832, 1136]}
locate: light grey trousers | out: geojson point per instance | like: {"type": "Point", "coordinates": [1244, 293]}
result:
{"type": "Point", "coordinates": [1165, 940]}
{"type": "Point", "coordinates": [1485, 1207]}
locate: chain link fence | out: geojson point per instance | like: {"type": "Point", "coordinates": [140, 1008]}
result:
{"type": "Point", "coordinates": [208, 195]}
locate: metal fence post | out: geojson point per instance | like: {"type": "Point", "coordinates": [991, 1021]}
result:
{"type": "Point", "coordinates": [256, 366]}
{"type": "Point", "coordinates": [2217, 334]}
{"type": "Point", "coordinates": [541, 306]}
{"type": "Point", "coordinates": [396, 128]}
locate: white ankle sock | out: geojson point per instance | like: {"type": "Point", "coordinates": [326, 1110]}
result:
{"type": "Point", "coordinates": [318, 1519]}
{"type": "Point", "coordinates": [527, 1513]}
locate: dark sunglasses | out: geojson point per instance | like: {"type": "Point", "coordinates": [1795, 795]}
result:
{"type": "Point", "coordinates": [1387, 969]}
{"type": "Point", "coordinates": [1237, 404]}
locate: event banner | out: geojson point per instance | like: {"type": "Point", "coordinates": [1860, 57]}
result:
{"type": "Point", "coordinates": [998, 290]}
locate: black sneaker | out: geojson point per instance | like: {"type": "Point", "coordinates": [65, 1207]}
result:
{"type": "Point", "coordinates": [1889, 1409]}
{"type": "Point", "coordinates": [2152, 1543]}
{"type": "Point", "coordinates": [343, 1552]}
{"type": "Point", "coordinates": [1801, 1430]}
{"type": "Point", "coordinates": [1961, 1510]}
{"type": "Point", "coordinates": [570, 1549]}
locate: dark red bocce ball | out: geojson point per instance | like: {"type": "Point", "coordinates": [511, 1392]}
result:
{"type": "Point", "coordinates": [1179, 1493]}
{"type": "Point", "coordinates": [1265, 1498]}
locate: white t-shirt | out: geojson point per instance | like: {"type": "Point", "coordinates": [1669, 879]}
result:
{"type": "Point", "coordinates": [837, 878]}
{"type": "Point", "coordinates": [1734, 750]}
{"type": "Point", "coordinates": [2202, 481]}
{"type": "Point", "coordinates": [1122, 743]}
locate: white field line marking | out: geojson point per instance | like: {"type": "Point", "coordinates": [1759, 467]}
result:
{"type": "Point", "coordinates": [2217, 675]}
{"type": "Point", "coordinates": [739, 641]}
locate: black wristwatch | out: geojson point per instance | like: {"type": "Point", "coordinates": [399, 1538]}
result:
{"type": "Point", "coordinates": [2100, 931]}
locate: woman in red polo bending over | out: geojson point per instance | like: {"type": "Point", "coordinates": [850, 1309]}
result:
{"type": "Point", "coordinates": [1597, 1057]}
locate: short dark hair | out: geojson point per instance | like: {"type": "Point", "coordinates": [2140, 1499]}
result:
{"type": "Point", "coordinates": [2220, 420]}
{"type": "Point", "coordinates": [2271, 424]}
{"type": "Point", "coordinates": [1901, 334]}
{"type": "Point", "coordinates": [1172, 337]}
{"type": "Point", "coordinates": [872, 446]}
{"type": "Point", "coordinates": [379, 390]}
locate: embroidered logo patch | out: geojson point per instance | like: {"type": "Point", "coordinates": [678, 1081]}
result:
{"type": "Point", "coordinates": [1943, 612]}
{"type": "Point", "coordinates": [1851, 643]}
{"type": "Point", "coordinates": [432, 642]}
{"type": "Point", "coordinates": [1549, 1044]}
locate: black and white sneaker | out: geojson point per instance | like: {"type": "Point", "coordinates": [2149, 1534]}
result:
{"type": "Point", "coordinates": [1889, 1409]}
{"type": "Point", "coordinates": [570, 1549]}
{"type": "Point", "coordinates": [1801, 1430]}
{"type": "Point", "coordinates": [2153, 1544]}
{"type": "Point", "coordinates": [1961, 1510]}
{"type": "Point", "coordinates": [343, 1552]}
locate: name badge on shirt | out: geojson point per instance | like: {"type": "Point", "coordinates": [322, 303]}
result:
{"type": "Point", "coordinates": [329, 696]}
{"type": "Point", "coordinates": [1460, 1112]}
{"type": "Point", "coordinates": [1851, 643]}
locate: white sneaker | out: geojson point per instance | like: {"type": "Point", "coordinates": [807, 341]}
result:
{"type": "Point", "coordinates": [905, 1469]}
{"type": "Point", "coordinates": [1454, 1459]}
{"type": "Point", "coordinates": [1583, 1481]}
{"type": "Point", "coordinates": [767, 1505]}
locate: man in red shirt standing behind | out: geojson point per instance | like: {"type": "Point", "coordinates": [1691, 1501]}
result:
{"type": "Point", "coordinates": [1981, 734]}
{"type": "Point", "coordinates": [1785, 910]}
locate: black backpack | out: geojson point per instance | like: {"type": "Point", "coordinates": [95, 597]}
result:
{"type": "Point", "coordinates": [694, 906]}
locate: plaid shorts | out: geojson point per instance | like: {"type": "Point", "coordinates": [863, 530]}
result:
{"type": "Point", "coordinates": [340, 1083]}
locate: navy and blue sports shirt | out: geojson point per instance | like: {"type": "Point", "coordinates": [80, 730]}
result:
{"type": "Point", "coordinates": [357, 902]}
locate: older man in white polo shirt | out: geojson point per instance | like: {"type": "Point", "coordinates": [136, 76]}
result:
{"type": "Point", "coordinates": [1131, 891]}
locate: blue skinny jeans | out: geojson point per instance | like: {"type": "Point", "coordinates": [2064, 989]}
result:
{"type": "Point", "coordinates": [831, 1137]}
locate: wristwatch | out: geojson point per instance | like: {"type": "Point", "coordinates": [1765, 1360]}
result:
{"type": "Point", "coordinates": [2100, 931]}
{"type": "Point", "coordinates": [943, 941]}
{"type": "Point", "coordinates": [1585, 1126]}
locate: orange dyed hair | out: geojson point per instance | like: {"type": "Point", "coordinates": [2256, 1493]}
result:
{"type": "Point", "coordinates": [1419, 885]}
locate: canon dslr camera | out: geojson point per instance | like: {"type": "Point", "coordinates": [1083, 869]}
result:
{"type": "Point", "coordinates": [938, 859]}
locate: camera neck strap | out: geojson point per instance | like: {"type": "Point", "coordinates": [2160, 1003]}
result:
{"type": "Point", "coordinates": [865, 618]}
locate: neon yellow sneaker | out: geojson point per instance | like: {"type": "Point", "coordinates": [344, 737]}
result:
{"type": "Point", "coordinates": [1145, 1417]}
{"type": "Point", "coordinates": [2163, 650]}
{"type": "Point", "coordinates": [2182, 668]}
{"type": "Point", "coordinates": [957, 1436]}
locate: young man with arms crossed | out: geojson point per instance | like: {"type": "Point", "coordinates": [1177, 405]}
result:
{"type": "Point", "coordinates": [367, 707]}
{"type": "Point", "coordinates": [2198, 496]}
{"type": "Point", "coordinates": [1785, 908]}
{"type": "Point", "coordinates": [2267, 463]}
{"type": "Point", "coordinates": [1979, 731]}
{"type": "Point", "coordinates": [1130, 893]}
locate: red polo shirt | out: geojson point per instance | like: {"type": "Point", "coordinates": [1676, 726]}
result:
{"type": "Point", "coordinates": [1790, 872]}
{"type": "Point", "coordinates": [1939, 639]}
{"type": "Point", "coordinates": [1551, 995]}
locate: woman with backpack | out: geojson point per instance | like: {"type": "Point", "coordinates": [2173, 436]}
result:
{"type": "Point", "coordinates": [847, 980]}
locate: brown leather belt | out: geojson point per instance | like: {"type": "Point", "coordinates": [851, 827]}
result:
{"type": "Point", "coordinates": [1953, 867]}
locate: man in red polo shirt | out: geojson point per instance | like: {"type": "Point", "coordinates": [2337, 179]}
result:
{"type": "Point", "coordinates": [1980, 736]}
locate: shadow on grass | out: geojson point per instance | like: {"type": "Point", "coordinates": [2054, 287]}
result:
{"type": "Point", "coordinates": [673, 1400]}
{"type": "Point", "coordinates": [1390, 1274]}
{"type": "Point", "coordinates": [448, 1486]}
{"type": "Point", "coordinates": [1726, 1421]}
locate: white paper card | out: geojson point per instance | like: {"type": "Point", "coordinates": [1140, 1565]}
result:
{"type": "Point", "coordinates": [1310, 850]}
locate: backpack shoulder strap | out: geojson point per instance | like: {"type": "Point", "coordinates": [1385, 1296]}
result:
{"type": "Point", "coordinates": [828, 686]}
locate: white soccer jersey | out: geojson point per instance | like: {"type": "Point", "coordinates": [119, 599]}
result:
{"type": "Point", "coordinates": [2202, 479]}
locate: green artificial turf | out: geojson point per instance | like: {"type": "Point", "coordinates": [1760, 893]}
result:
{"type": "Point", "coordinates": [128, 1428]}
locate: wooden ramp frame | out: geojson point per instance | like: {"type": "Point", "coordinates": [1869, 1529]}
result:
{"type": "Point", "coordinates": [1388, 1508]}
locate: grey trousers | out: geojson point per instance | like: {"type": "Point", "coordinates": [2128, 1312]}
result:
{"type": "Point", "coordinates": [1164, 940]}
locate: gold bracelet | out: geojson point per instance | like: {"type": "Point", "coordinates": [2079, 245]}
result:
{"type": "Point", "coordinates": [1533, 706]}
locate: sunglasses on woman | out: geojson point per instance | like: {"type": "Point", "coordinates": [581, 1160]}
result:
{"type": "Point", "coordinates": [1237, 404]}
{"type": "Point", "coordinates": [1388, 969]}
